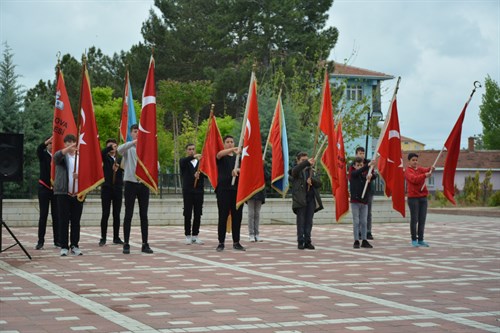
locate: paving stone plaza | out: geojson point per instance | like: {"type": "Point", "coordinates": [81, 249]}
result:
{"type": "Point", "coordinates": [452, 286]}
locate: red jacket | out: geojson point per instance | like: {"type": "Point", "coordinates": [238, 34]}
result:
{"type": "Point", "coordinates": [415, 178]}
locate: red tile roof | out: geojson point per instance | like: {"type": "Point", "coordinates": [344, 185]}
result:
{"type": "Point", "coordinates": [475, 159]}
{"type": "Point", "coordinates": [341, 70]}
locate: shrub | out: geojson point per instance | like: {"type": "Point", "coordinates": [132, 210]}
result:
{"type": "Point", "coordinates": [494, 199]}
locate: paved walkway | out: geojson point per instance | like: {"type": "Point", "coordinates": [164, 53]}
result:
{"type": "Point", "coordinates": [453, 286]}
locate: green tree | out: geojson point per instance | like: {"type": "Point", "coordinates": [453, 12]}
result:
{"type": "Point", "coordinates": [219, 41]}
{"type": "Point", "coordinates": [37, 127]}
{"type": "Point", "coordinates": [11, 94]}
{"type": "Point", "coordinates": [490, 114]}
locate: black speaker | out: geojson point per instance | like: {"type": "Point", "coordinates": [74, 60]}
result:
{"type": "Point", "coordinates": [11, 157]}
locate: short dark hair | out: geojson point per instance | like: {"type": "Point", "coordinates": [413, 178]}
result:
{"type": "Point", "coordinates": [360, 149]}
{"type": "Point", "coordinates": [227, 137]}
{"type": "Point", "coordinates": [300, 154]}
{"type": "Point", "coordinates": [412, 155]}
{"type": "Point", "coordinates": [134, 127]}
{"type": "Point", "coordinates": [70, 138]}
{"type": "Point", "coordinates": [358, 159]}
{"type": "Point", "coordinates": [189, 145]}
{"type": "Point", "coordinates": [110, 140]}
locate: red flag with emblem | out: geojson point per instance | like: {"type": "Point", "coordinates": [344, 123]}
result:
{"type": "Point", "coordinates": [147, 141]}
{"type": "Point", "coordinates": [342, 192]}
{"type": "Point", "coordinates": [326, 125]}
{"type": "Point", "coordinates": [90, 172]}
{"type": "Point", "coordinates": [452, 145]}
{"type": "Point", "coordinates": [64, 122]}
{"type": "Point", "coordinates": [252, 168]}
{"type": "Point", "coordinates": [213, 144]}
{"type": "Point", "coordinates": [390, 163]}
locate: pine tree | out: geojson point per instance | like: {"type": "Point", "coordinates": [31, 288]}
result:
{"type": "Point", "coordinates": [11, 94]}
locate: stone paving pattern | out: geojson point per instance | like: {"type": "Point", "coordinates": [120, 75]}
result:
{"type": "Point", "coordinates": [452, 286]}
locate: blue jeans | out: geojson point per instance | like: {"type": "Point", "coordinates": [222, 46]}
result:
{"type": "Point", "coordinates": [359, 215]}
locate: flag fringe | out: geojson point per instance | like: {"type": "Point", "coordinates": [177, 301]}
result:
{"type": "Point", "coordinates": [242, 201]}
{"type": "Point", "coordinates": [144, 181]}
{"type": "Point", "coordinates": [81, 196]}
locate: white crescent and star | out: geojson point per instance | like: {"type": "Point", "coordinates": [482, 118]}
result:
{"type": "Point", "coordinates": [249, 132]}
{"type": "Point", "coordinates": [146, 100]}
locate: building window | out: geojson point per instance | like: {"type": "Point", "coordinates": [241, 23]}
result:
{"type": "Point", "coordinates": [354, 93]}
{"type": "Point", "coordinates": [431, 181]}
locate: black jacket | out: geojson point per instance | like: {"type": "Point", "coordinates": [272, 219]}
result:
{"type": "Point", "coordinates": [187, 175]}
{"type": "Point", "coordinates": [300, 190]}
{"type": "Point", "coordinates": [44, 159]}
{"type": "Point", "coordinates": [357, 180]}
{"type": "Point", "coordinates": [107, 166]}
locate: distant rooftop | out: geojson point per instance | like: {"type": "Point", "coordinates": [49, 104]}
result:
{"type": "Point", "coordinates": [341, 70]}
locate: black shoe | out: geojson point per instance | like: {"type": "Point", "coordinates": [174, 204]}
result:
{"type": "Point", "coordinates": [309, 246]}
{"type": "Point", "coordinates": [220, 247]}
{"type": "Point", "coordinates": [301, 246]}
{"type": "Point", "coordinates": [39, 246]}
{"type": "Point", "coordinates": [356, 244]}
{"type": "Point", "coordinates": [117, 241]}
{"type": "Point", "coordinates": [237, 246]}
{"type": "Point", "coordinates": [365, 244]}
{"type": "Point", "coordinates": [146, 248]}
{"type": "Point", "coordinates": [56, 244]}
{"type": "Point", "coordinates": [126, 248]}
{"type": "Point", "coordinates": [102, 242]}
{"type": "Point", "coordinates": [369, 236]}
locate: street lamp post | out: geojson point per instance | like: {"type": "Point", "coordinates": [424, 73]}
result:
{"type": "Point", "coordinates": [369, 116]}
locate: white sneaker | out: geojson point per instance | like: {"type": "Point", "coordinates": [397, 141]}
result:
{"type": "Point", "coordinates": [64, 252]}
{"type": "Point", "coordinates": [251, 238]}
{"type": "Point", "coordinates": [75, 250]}
{"type": "Point", "coordinates": [198, 241]}
{"type": "Point", "coordinates": [188, 241]}
{"type": "Point", "coordinates": [258, 239]}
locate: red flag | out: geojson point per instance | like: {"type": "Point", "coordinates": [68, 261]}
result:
{"type": "Point", "coordinates": [342, 192]}
{"type": "Point", "coordinates": [326, 125]}
{"type": "Point", "coordinates": [390, 164]}
{"type": "Point", "coordinates": [452, 145]}
{"type": "Point", "coordinates": [213, 144]}
{"type": "Point", "coordinates": [147, 140]}
{"type": "Point", "coordinates": [64, 122]}
{"type": "Point", "coordinates": [252, 168]}
{"type": "Point", "coordinates": [90, 172]}
{"type": "Point", "coordinates": [279, 141]}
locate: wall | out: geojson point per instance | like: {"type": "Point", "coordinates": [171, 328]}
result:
{"type": "Point", "coordinates": [24, 212]}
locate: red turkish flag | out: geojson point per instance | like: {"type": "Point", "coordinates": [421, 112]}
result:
{"type": "Point", "coordinates": [390, 164]}
{"type": "Point", "coordinates": [64, 122]}
{"type": "Point", "coordinates": [326, 125]}
{"type": "Point", "coordinates": [90, 172]}
{"type": "Point", "coordinates": [147, 140]}
{"type": "Point", "coordinates": [452, 145]}
{"type": "Point", "coordinates": [252, 168]}
{"type": "Point", "coordinates": [342, 192]}
{"type": "Point", "coordinates": [213, 144]}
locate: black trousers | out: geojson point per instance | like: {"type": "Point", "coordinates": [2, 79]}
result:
{"type": "Point", "coordinates": [46, 199]}
{"type": "Point", "coordinates": [70, 212]}
{"type": "Point", "coordinates": [193, 203]}
{"type": "Point", "coordinates": [305, 221]}
{"type": "Point", "coordinates": [226, 203]}
{"type": "Point", "coordinates": [418, 215]}
{"type": "Point", "coordinates": [141, 192]}
{"type": "Point", "coordinates": [114, 196]}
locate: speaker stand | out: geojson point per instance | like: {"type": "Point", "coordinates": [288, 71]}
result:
{"type": "Point", "coordinates": [4, 225]}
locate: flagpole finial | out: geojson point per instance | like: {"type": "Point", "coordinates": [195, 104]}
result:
{"type": "Point", "coordinates": [212, 108]}
{"type": "Point", "coordinates": [58, 56]}
{"type": "Point", "coordinates": [477, 84]}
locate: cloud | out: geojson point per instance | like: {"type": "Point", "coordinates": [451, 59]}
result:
{"type": "Point", "coordinates": [438, 48]}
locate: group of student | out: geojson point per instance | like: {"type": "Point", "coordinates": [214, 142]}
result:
{"type": "Point", "coordinates": [119, 177]}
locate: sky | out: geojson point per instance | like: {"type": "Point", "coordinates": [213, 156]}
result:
{"type": "Point", "coordinates": [438, 47]}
